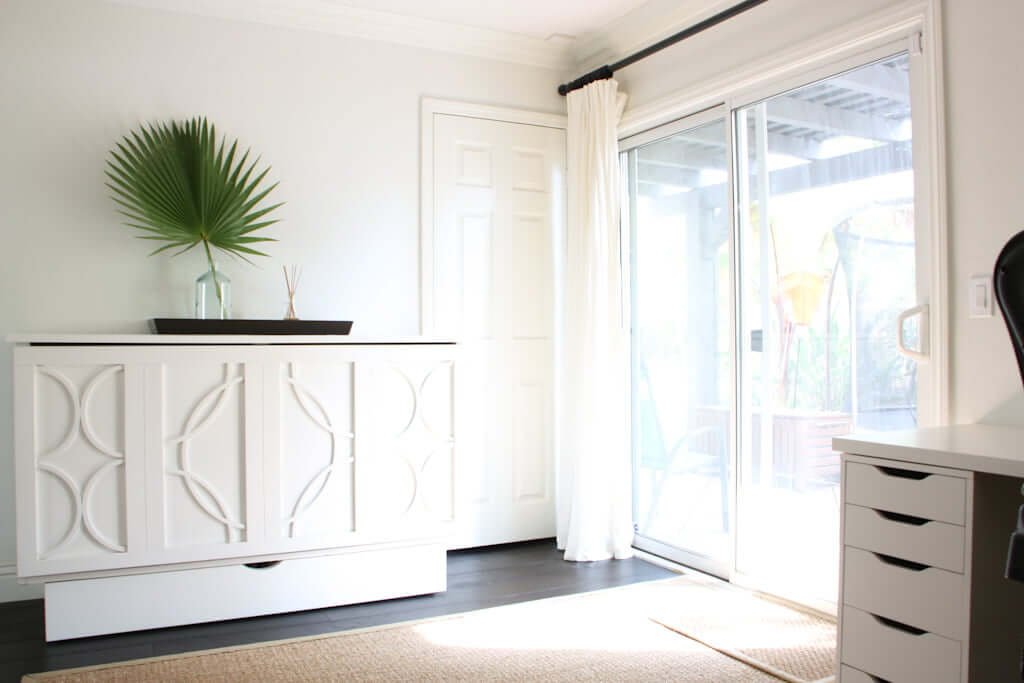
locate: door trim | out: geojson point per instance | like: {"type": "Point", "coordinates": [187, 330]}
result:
{"type": "Point", "coordinates": [429, 108]}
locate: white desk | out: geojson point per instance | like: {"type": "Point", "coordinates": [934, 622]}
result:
{"type": "Point", "coordinates": [926, 520]}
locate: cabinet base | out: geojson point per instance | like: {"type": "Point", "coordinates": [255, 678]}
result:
{"type": "Point", "coordinates": [90, 607]}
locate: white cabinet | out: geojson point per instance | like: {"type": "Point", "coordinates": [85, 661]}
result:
{"type": "Point", "coordinates": [141, 458]}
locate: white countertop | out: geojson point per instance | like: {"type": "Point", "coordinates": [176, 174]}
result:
{"type": "Point", "coordinates": [975, 447]}
{"type": "Point", "coordinates": [212, 339]}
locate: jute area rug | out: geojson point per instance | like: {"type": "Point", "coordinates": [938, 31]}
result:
{"type": "Point", "coordinates": [794, 645]}
{"type": "Point", "coordinates": [607, 635]}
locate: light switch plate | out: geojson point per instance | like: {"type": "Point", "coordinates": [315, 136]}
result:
{"type": "Point", "coordinates": [979, 296]}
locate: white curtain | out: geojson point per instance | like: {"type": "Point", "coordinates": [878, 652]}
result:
{"type": "Point", "coordinates": [594, 473]}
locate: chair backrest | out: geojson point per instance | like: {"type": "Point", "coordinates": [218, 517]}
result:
{"type": "Point", "coordinates": [1008, 284]}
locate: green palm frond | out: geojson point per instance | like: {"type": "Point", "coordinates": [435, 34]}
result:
{"type": "Point", "coordinates": [176, 184]}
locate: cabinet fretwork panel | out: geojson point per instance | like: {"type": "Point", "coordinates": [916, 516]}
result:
{"type": "Point", "coordinates": [204, 449]}
{"type": "Point", "coordinates": [405, 445]}
{"type": "Point", "coordinates": [79, 461]}
{"type": "Point", "coordinates": [315, 457]}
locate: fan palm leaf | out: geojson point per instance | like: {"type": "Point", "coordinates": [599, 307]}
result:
{"type": "Point", "coordinates": [177, 185]}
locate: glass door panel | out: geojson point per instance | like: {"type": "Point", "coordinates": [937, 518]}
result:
{"type": "Point", "coordinates": [682, 359]}
{"type": "Point", "coordinates": [825, 195]}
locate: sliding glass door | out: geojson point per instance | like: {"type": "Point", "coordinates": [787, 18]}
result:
{"type": "Point", "coordinates": [682, 363]}
{"type": "Point", "coordinates": [827, 263]}
{"type": "Point", "coordinates": [773, 249]}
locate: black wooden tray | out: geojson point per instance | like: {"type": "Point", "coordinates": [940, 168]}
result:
{"type": "Point", "coordinates": [196, 326]}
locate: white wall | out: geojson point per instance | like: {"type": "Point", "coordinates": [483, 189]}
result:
{"type": "Point", "coordinates": [337, 118]}
{"type": "Point", "coordinates": [985, 149]}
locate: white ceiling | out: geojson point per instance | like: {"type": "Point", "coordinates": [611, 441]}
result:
{"type": "Point", "coordinates": [536, 18]}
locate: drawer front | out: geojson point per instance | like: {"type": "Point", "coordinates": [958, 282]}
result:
{"type": "Point", "coordinates": [930, 599]}
{"type": "Point", "coordinates": [936, 544]}
{"type": "Point", "coordinates": [907, 491]}
{"type": "Point", "coordinates": [113, 604]}
{"type": "Point", "coordinates": [850, 675]}
{"type": "Point", "coordinates": [891, 653]}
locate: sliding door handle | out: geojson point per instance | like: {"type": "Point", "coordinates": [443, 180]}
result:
{"type": "Point", "coordinates": [920, 354]}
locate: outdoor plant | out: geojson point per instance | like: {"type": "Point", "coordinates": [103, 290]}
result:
{"type": "Point", "coordinates": [179, 186]}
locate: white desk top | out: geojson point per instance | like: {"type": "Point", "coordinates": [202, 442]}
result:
{"type": "Point", "coordinates": [976, 447]}
{"type": "Point", "coordinates": [211, 339]}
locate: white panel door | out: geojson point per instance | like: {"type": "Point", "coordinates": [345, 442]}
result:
{"type": "Point", "coordinates": [498, 212]}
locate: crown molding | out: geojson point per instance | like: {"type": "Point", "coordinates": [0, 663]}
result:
{"type": "Point", "coordinates": [555, 52]}
{"type": "Point", "coordinates": [642, 27]}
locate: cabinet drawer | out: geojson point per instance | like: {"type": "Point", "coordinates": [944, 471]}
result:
{"type": "Point", "coordinates": [892, 652]}
{"type": "Point", "coordinates": [930, 599]}
{"type": "Point", "coordinates": [936, 544]}
{"type": "Point", "coordinates": [850, 675]}
{"type": "Point", "coordinates": [907, 491]}
{"type": "Point", "coordinates": [89, 607]}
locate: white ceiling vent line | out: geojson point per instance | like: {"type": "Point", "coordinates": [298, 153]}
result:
{"type": "Point", "coordinates": [555, 52]}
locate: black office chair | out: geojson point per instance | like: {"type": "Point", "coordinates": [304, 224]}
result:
{"type": "Point", "coordinates": [1008, 285]}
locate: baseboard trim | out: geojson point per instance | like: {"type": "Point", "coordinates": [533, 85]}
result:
{"type": "Point", "coordinates": [11, 590]}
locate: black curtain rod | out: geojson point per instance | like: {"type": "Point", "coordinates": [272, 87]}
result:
{"type": "Point", "coordinates": [607, 70]}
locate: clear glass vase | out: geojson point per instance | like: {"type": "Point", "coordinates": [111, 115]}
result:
{"type": "Point", "coordinates": [213, 295]}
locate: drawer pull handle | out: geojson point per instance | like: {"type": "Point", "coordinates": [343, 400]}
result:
{"type": "Point", "coordinates": [902, 518]}
{"type": "Point", "coordinates": [903, 474]}
{"type": "Point", "coordinates": [899, 626]}
{"type": "Point", "coordinates": [900, 562]}
{"type": "Point", "coordinates": [263, 565]}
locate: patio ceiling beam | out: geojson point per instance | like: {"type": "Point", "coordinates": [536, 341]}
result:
{"type": "Point", "coordinates": [801, 148]}
{"type": "Point", "coordinates": [869, 163]}
{"type": "Point", "coordinates": [878, 80]}
{"type": "Point", "coordinates": [659, 174]}
{"type": "Point", "coordinates": [682, 155]}
{"type": "Point", "coordinates": [832, 120]}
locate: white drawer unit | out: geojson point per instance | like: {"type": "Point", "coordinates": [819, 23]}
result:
{"type": "Point", "coordinates": [903, 613]}
{"type": "Point", "coordinates": [922, 592]}
{"type": "Point", "coordinates": [191, 460]}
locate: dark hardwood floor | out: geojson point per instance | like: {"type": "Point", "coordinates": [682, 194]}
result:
{"type": "Point", "coordinates": [478, 578]}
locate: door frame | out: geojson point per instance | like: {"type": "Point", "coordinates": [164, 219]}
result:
{"type": "Point", "coordinates": [429, 108]}
{"type": "Point", "coordinates": [917, 26]}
